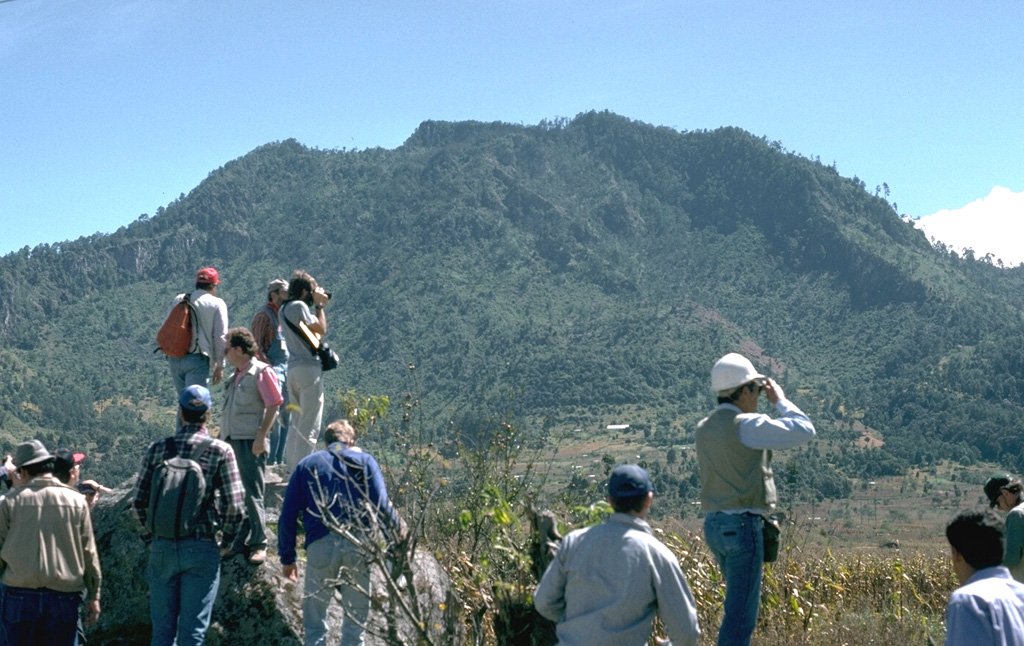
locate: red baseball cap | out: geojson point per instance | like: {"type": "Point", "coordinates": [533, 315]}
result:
{"type": "Point", "coordinates": [208, 275]}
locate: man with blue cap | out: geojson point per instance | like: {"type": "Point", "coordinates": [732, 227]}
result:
{"type": "Point", "coordinates": [607, 581]}
{"type": "Point", "coordinates": [184, 565]}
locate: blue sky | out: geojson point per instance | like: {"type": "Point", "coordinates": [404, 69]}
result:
{"type": "Point", "coordinates": [109, 110]}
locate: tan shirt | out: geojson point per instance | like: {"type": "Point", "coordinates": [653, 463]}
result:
{"type": "Point", "coordinates": [46, 538]}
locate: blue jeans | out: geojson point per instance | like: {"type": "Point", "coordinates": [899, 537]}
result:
{"type": "Point", "coordinates": [38, 616]}
{"type": "Point", "coordinates": [279, 434]}
{"type": "Point", "coordinates": [334, 563]}
{"type": "Point", "coordinates": [183, 577]}
{"type": "Point", "coordinates": [737, 541]}
{"type": "Point", "coordinates": [190, 370]}
{"type": "Point", "coordinates": [253, 470]}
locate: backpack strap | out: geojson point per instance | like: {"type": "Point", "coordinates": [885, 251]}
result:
{"type": "Point", "coordinates": [298, 332]}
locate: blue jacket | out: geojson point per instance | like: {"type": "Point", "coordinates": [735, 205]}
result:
{"type": "Point", "coordinates": [346, 476]}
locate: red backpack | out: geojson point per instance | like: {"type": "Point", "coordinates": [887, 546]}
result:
{"type": "Point", "coordinates": [175, 335]}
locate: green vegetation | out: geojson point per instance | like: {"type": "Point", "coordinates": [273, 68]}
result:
{"type": "Point", "coordinates": [559, 278]}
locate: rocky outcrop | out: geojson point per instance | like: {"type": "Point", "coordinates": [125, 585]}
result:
{"type": "Point", "coordinates": [255, 605]}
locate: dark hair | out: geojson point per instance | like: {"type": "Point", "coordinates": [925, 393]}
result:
{"type": "Point", "coordinates": [242, 338]}
{"type": "Point", "coordinates": [204, 286]}
{"type": "Point", "coordinates": [978, 535]}
{"type": "Point", "coordinates": [626, 505]}
{"type": "Point", "coordinates": [46, 466]}
{"type": "Point", "coordinates": [300, 282]}
{"type": "Point", "coordinates": [734, 395]}
{"type": "Point", "coordinates": [195, 417]}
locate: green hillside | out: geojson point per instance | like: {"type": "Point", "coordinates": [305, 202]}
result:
{"type": "Point", "coordinates": [567, 274]}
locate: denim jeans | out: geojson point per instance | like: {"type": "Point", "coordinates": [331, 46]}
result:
{"type": "Point", "coordinates": [190, 370]}
{"type": "Point", "coordinates": [333, 563]}
{"type": "Point", "coordinates": [183, 577]}
{"type": "Point", "coordinates": [306, 394]}
{"type": "Point", "coordinates": [253, 471]}
{"type": "Point", "coordinates": [279, 433]}
{"type": "Point", "coordinates": [737, 542]}
{"type": "Point", "coordinates": [38, 616]}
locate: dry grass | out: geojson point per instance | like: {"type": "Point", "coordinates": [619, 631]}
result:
{"type": "Point", "coordinates": [827, 598]}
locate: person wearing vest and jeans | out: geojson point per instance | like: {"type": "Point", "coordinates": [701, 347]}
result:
{"type": "Point", "coordinates": [737, 490]}
{"type": "Point", "coordinates": [268, 330]}
{"type": "Point", "coordinates": [251, 399]}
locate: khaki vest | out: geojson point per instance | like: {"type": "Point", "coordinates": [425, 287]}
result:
{"type": "Point", "coordinates": [243, 406]}
{"type": "Point", "coordinates": [732, 475]}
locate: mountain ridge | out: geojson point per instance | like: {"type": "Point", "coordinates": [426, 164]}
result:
{"type": "Point", "coordinates": [559, 272]}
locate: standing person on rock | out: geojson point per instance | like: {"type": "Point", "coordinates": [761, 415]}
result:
{"type": "Point", "coordinates": [251, 399]}
{"type": "Point", "coordinates": [305, 381]}
{"type": "Point", "coordinates": [268, 330]}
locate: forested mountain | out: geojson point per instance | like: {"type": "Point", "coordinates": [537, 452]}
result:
{"type": "Point", "coordinates": [578, 270]}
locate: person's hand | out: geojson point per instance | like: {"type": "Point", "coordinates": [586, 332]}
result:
{"type": "Point", "coordinates": [218, 374]}
{"type": "Point", "coordinates": [94, 612]}
{"type": "Point", "coordinates": [290, 572]}
{"type": "Point", "coordinates": [16, 478]}
{"type": "Point", "coordinates": [773, 391]}
{"type": "Point", "coordinates": [9, 463]}
{"type": "Point", "coordinates": [320, 296]}
{"type": "Point", "coordinates": [259, 446]}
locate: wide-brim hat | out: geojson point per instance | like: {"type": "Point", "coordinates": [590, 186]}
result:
{"type": "Point", "coordinates": [29, 453]}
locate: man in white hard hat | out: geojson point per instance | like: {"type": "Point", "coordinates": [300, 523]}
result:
{"type": "Point", "coordinates": [737, 490]}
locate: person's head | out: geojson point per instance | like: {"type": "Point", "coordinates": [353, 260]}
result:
{"type": "Point", "coordinates": [340, 431]}
{"type": "Point", "coordinates": [241, 346]}
{"type": "Point", "coordinates": [301, 287]}
{"type": "Point", "coordinates": [207, 278]}
{"type": "Point", "coordinates": [65, 466]}
{"type": "Point", "coordinates": [976, 541]}
{"type": "Point", "coordinates": [735, 381]}
{"type": "Point", "coordinates": [630, 490]}
{"type": "Point", "coordinates": [31, 458]}
{"type": "Point", "coordinates": [195, 404]}
{"type": "Point", "coordinates": [277, 291]}
{"type": "Point", "coordinates": [1003, 492]}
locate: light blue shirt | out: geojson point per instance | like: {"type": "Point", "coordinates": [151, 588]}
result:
{"type": "Point", "coordinates": [607, 581]}
{"type": "Point", "coordinates": [986, 611]}
{"type": "Point", "coordinates": [759, 431]}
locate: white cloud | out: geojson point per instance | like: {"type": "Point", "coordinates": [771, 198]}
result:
{"type": "Point", "coordinates": [994, 224]}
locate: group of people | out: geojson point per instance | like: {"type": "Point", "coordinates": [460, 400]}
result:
{"type": "Point", "coordinates": [607, 582]}
{"type": "Point", "coordinates": [276, 374]}
{"type": "Point", "coordinates": [604, 585]}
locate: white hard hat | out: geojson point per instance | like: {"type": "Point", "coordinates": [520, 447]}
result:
{"type": "Point", "coordinates": [732, 371]}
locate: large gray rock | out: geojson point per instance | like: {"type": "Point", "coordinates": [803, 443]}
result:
{"type": "Point", "coordinates": [255, 606]}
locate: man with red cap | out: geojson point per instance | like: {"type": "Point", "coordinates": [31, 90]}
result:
{"type": "Point", "coordinates": [208, 329]}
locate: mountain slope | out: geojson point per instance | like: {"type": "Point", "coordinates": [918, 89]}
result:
{"type": "Point", "coordinates": [567, 272]}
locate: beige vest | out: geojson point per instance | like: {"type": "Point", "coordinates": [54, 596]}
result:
{"type": "Point", "coordinates": [243, 405]}
{"type": "Point", "coordinates": [732, 475]}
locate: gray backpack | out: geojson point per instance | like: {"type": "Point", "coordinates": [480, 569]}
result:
{"type": "Point", "coordinates": [176, 494]}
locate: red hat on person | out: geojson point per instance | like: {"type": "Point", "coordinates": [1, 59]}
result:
{"type": "Point", "coordinates": [208, 275]}
{"type": "Point", "coordinates": [66, 460]}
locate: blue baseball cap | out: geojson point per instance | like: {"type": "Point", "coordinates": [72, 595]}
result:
{"type": "Point", "coordinates": [629, 481]}
{"type": "Point", "coordinates": [195, 399]}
